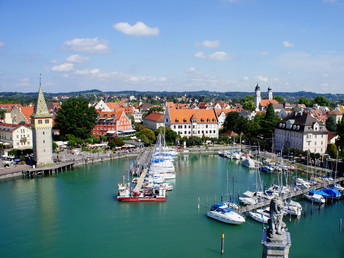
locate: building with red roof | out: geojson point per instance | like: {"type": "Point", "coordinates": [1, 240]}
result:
{"type": "Point", "coordinates": [193, 122]}
{"type": "Point", "coordinates": [112, 124]}
{"type": "Point", "coordinates": [154, 120]}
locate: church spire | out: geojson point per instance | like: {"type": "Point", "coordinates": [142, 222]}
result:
{"type": "Point", "coordinates": [41, 109]}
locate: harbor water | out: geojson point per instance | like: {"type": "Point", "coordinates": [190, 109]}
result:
{"type": "Point", "coordinates": [76, 214]}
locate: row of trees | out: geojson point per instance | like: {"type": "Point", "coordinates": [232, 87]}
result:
{"type": "Point", "coordinates": [258, 131]}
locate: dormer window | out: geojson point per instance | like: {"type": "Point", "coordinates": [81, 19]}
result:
{"type": "Point", "coordinates": [177, 120]}
{"type": "Point", "coordinates": [208, 120]}
{"type": "Point", "coordinates": [105, 115]}
{"type": "Point", "coordinates": [184, 120]}
{"type": "Point", "coordinates": [202, 120]}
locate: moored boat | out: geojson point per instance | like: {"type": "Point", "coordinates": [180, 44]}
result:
{"type": "Point", "coordinates": [223, 213]}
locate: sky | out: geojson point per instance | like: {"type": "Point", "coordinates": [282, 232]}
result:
{"type": "Point", "coordinates": [172, 45]}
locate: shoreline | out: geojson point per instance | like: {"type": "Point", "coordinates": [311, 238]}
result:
{"type": "Point", "coordinates": [85, 158]}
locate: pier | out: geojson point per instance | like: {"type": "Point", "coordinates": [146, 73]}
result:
{"type": "Point", "coordinates": [142, 161]}
{"type": "Point", "coordinates": [48, 170]}
{"type": "Point", "coordinates": [288, 196]}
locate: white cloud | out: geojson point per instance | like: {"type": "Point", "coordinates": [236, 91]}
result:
{"type": "Point", "coordinates": [66, 67]}
{"type": "Point", "coordinates": [87, 72]}
{"type": "Point", "coordinates": [218, 56]}
{"type": "Point", "coordinates": [261, 78]}
{"type": "Point", "coordinates": [92, 45]}
{"type": "Point", "coordinates": [245, 78]}
{"type": "Point", "coordinates": [199, 55]}
{"type": "Point", "coordinates": [208, 43]}
{"type": "Point", "coordinates": [54, 61]}
{"type": "Point", "coordinates": [324, 84]}
{"type": "Point", "coordinates": [77, 59]}
{"type": "Point", "coordinates": [24, 82]}
{"type": "Point", "coordinates": [139, 29]}
{"type": "Point", "coordinates": [264, 53]}
{"type": "Point", "coordinates": [2, 44]}
{"type": "Point", "coordinates": [325, 75]}
{"type": "Point", "coordinates": [119, 76]}
{"type": "Point", "coordinates": [288, 44]}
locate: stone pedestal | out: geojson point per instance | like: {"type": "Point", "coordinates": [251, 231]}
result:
{"type": "Point", "coordinates": [276, 246]}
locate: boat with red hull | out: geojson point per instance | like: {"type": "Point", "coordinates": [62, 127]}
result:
{"type": "Point", "coordinates": [146, 194]}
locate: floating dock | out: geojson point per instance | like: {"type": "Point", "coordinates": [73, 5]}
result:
{"type": "Point", "coordinates": [288, 196]}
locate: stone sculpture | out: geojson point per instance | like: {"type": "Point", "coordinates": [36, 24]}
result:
{"type": "Point", "coordinates": [276, 224]}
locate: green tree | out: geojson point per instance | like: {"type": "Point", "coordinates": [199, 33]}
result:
{"type": "Point", "coordinates": [340, 140]}
{"type": "Point", "coordinates": [148, 133]}
{"type": "Point", "coordinates": [332, 150]}
{"type": "Point", "coordinates": [304, 100]}
{"type": "Point", "coordinates": [154, 109]}
{"type": "Point", "coordinates": [279, 99]}
{"type": "Point", "coordinates": [247, 103]}
{"type": "Point", "coordinates": [321, 101]}
{"type": "Point", "coordinates": [170, 135]}
{"type": "Point", "coordinates": [76, 117]}
{"type": "Point", "coordinates": [331, 124]}
{"type": "Point", "coordinates": [115, 142]}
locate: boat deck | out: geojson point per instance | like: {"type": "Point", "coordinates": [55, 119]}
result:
{"type": "Point", "coordinates": [139, 184]}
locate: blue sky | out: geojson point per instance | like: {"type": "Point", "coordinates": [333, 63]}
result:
{"type": "Point", "coordinates": [172, 45]}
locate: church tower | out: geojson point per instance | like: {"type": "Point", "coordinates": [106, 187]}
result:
{"type": "Point", "coordinates": [270, 94]}
{"type": "Point", "coordinates": [42, 124]}
{"type": "Point", "coordinates": [257, 97]}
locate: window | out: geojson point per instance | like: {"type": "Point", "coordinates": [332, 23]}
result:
{"type": "Point", "coordinates": [43, 141]}
{"type": "Point", "coordinates": [47, 121]}
{"type": "Point", "coordinates": [43, 133]}
{"type": "Point", "coordinates": [39, 121]}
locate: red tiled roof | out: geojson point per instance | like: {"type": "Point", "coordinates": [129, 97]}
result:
{"type": "Point", "coordinates": [157, 117]}
{"type": "Point", "coordinates": [9, 107]}
{"type": "Point", "coordinates": [27, 112]}
{"type": "Point", "coordinates": [266, 102]}
{"type": "Point", "coordinates": [226, 111]}
{"type": "Point", "coordinates": [185, 115]}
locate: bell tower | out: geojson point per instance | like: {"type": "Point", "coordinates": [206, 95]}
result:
{"type": "Point", "coordinates": [257, 97]}
{"type": "Point", "coordinates": [42, 124]}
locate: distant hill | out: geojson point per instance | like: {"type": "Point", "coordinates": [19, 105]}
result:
{"type": "Point", "coordinates": [289, 96]}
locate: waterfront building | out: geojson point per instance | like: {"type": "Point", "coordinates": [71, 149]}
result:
{"type": "Point", "coordinates": [193, 122]}
{"type": "Point", "coordinates": [154, 120]}
{"type": "Point", "coordinates": [112, 124]}
{"type": "Point", "coordinates": [14, 137]}
{"type": "Point", "coordinates": [42, 124]}
{"type": "Point", "coordinates": [301, 131]}
{"type": "Point", "coordinates": [19, 115]}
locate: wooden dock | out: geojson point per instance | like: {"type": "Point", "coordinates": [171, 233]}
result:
{"type": "Point", "coordinates": [143, 160]}
{"type": "Point", "coordinates": [291, 195]}
{"type": "Point", "coordinates": [48, 170]}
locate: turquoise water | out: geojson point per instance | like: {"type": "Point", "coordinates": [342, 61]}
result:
{"type": "Point", "coordinates": [75, 214]}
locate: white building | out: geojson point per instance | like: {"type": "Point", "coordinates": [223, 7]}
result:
{"type": "Point", "coordinates": [154, 120]}
{"type": "Point", "coordinates": [14, 137]}
{"type": "Point", "coordinates": [193, 122]}
{"type": "Point", "coordinates": [301, 131]}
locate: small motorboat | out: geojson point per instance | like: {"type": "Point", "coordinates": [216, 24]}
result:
{"type": "Point", "coordinates": [261, 217]}
{"type": "Point", "coordinates": [223, 213]}
{"type": "Point", "coordinates": [317, 198]}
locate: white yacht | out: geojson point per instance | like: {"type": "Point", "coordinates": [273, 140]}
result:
{"type": "Point", "coordinates": [223, 213]}
{"type": "Point", "coordinates": [315, 198]}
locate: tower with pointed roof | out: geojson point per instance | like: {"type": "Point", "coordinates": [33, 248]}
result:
{"type": "Point", "coordinates": [41, 124]}
{"type": "Point", "coordinates": [270, 94]}
{"type": "Point", "coordinates": [257, 97]}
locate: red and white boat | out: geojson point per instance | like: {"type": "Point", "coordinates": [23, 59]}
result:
{"type": "Point", "coordinates": [146, 194]}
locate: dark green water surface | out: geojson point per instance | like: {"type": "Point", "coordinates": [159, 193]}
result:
{"type": "Point", "coordinates": [76, 214]}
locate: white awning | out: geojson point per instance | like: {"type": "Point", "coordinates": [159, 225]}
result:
{"type": "Point", "coordinates": [127, 131]}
